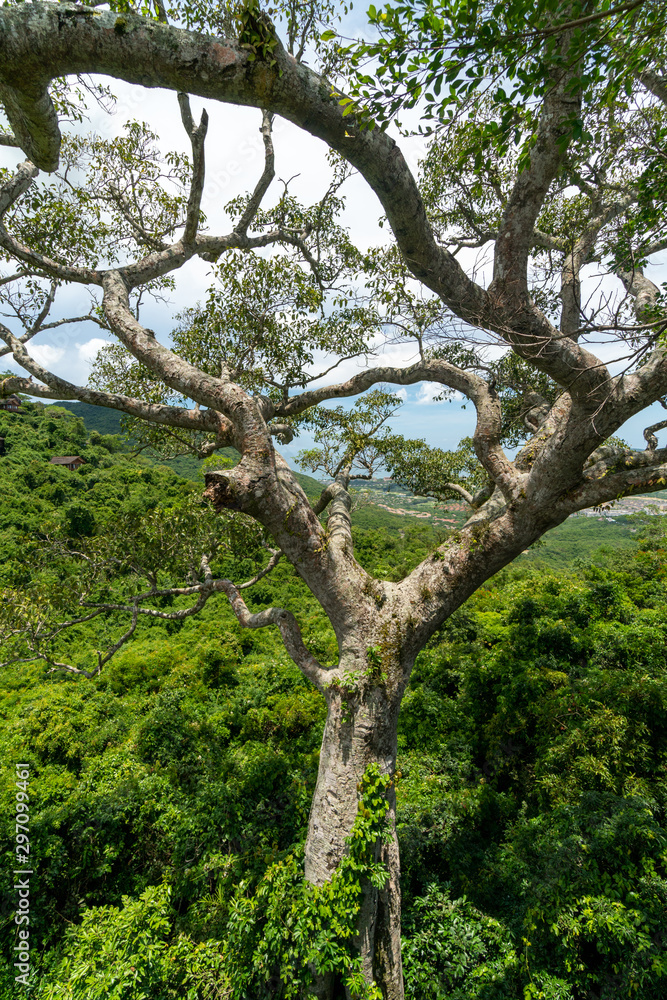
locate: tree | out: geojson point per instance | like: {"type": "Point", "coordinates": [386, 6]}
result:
{"type": "Point", "coordinates": [569, 180]}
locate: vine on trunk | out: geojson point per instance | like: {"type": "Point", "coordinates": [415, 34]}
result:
{"type": "Point", "coordinates": [289, 930]}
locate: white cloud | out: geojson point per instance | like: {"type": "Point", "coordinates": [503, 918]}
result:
{"type": "Point", "coordinates": [428, 391]}
{"type": "Point", "coordinates": [47, 355]}
{"type": "Point", "coordinates": [88, 351]}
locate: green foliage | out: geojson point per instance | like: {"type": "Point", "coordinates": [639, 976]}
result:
{"type": "Point", "coordinates": [133, 953]}
{"type": "Point", "coordinates": [429, 471]}
{"type": "Point", "coordinates": [533, 737]}
{"type": "Point", "coordinates": [120, 175]}
{"type": "Point", "coordinates": [479, 74]}
{"type": "Point", "coordinates": [443, 52]}
{"type": "Point", "coordinates": [264, 318]}
{"type": "Point", "coordinates": [533, 756]}
{"type": "Point", "coordinates": [452, 951]}
{"type": "Point", "coordinates": [147, 771]}
{"type": "Point", "coordinates": [252, 23]}
{"type": "Point", "coordinates": [256, 33]}
{"type": "Point", "coordinates": [267, 321]}
{"type": "Point", "coordinates": [388, 553]}
{"type": "Point", "coordinates": [289, 929]}
{"type": "Point", "coordinates": [96, 418]}
{"type": "Point", "coordinates": [531, 788]}
{"type": "Point", "coordinates": [349, 439]}
{"type": "Point", "coordinates": [110, 530]}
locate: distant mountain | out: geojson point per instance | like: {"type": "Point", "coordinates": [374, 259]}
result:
{"type": "Point", "coordinates": [96, 418]}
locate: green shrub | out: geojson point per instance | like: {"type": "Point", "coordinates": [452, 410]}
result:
{"type": "Point", "coordinates": [134, 953]}
{"type": "Point", "coordinates": [452, 951]}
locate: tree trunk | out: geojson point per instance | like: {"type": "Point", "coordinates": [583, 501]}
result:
{"type": "Point", "coordinates": [361, 729]}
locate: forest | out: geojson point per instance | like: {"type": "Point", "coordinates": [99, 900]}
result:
{"type": "Point", "coordinates": [169, 795]}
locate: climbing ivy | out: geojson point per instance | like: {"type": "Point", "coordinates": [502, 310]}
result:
{"type": "Point", "coordinates": [290, 930]}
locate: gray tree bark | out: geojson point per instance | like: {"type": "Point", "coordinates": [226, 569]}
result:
{"type": "Point", "coordinates": [361, 729]}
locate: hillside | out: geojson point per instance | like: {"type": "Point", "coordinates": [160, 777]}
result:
{"type": "Point", "coordinates": [169, 791]}
{"type": "Point", "coordinates": [105, 421]}
{"type": "Point", "coordinates": [381, 505]}
{"type": "Point", "coordinates": [96, 418]}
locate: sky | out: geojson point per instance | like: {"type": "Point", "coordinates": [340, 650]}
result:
{"type": "Point", "coordinates": [234, 162]}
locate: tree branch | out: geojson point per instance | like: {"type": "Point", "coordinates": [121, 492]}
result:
{"type": "Point", "coordinates": [655, 83]}
{"type": "Point", "coordinates": [207, 421]}
{"type": "Point", "coordinates": [32, 116]}
{"type": "Point", "coordinates": [16, 185]}
{"type": "Point", "coordinates": [284, 432]}
{"type": "Point", "coordinates": [515, 235]}
{"type": "Point", "coordinates": [45, 42]}
{"type": "Point", "coordinates": [339, 523]}
{"type": "Point", "coordinates": [649, 435]}
{"type": "Point", "coordinates": [197, 139]}
{"type": "Point", "coordinates": [641, 288]}
{"type": "Point", "coordinates": [141, 235]}
{"type": "Point", "coordinates": [13, 277]}
{"type": "Point", "coordinates": [160, 261]}
{"type": "Point", "coordinates": [489, 418]}
{"type": "Point", "coordinates": [177, 373]}
{"type": "Point", "coordinates": [325, 498]}
{"type": "Point", "coordinates": [10, 191]}
{"type": "Point", "coordinates": [289, 630]}
{"type": "Point", "coordinates": [434, 370]}
{"type": "Point", "coordinates": [463, 493]}
{"type": "Point", "coordinates": [577, 256]}
{"type": "Point", "coordinates": [276, 556]}
{"type": "Point", "coordinates": [51, 43]}
{"type": "Point", "coordinates": [263, 183]}
{"type": "Point", "coordinates": [45, 310]}
{"type": "Point", "coordinates": [285, 621]}
{"type": "Point", "coordinates": [603, 486]}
